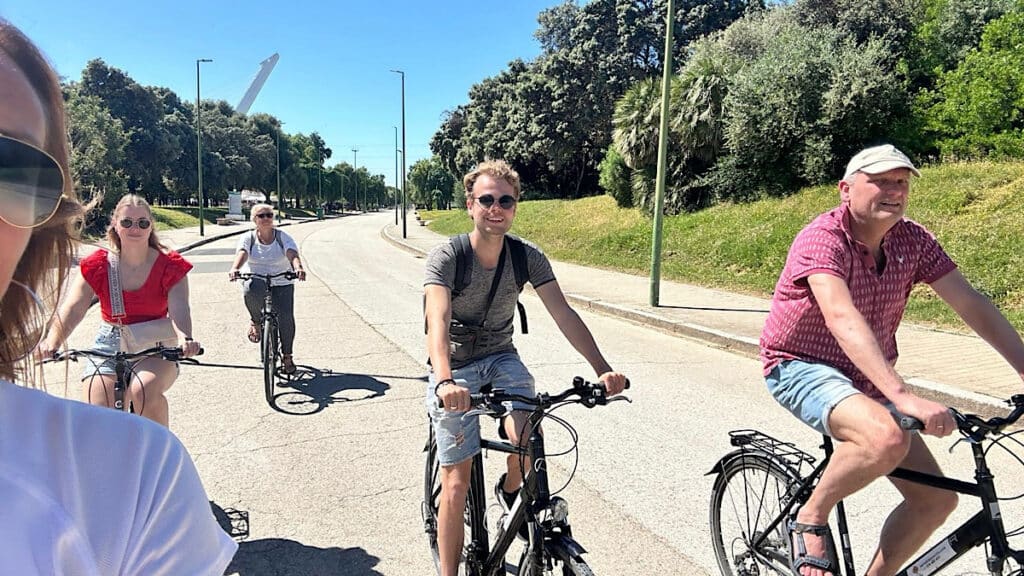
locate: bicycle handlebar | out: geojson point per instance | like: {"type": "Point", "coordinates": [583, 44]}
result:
{"type": "Point", "coordinates": [289, 274]}
{"type": "Point", "coordinates": [973, 426]}
{"type": "Point", "coordinates": [172, 354]}
{"type": "Point", "coordinates": [589, 394]}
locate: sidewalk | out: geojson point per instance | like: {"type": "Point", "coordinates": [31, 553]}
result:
{"type": "Point", "coordinates": [955, 369]}
{"type": "Point", "coordinates": [958, 370]}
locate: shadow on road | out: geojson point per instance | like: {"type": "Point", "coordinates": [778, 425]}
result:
{"type": "Point", "coordinates": [282, 557]}
{"type": "Point", "coordinates": [310, 390]}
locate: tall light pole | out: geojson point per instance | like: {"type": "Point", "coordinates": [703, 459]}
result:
{"type": "Point", "coordinates": [320, 185]}
{"type": "Point", "coordinates": [280, 197]}
{"type": "Point", "coordinates": [396, 174]}
{"type": "Point", "coordinates": [403, 150]}
{"type": "Point", "coordinates": [199, 144]}
{"type": "Point", "coordinates": [659, 185]}
{"type": "Point", "coordinates": [355, 166]}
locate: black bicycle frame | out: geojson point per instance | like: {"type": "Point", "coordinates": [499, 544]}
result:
{"type": "Point", "coordinates": [985, 525]}
{"type": "Point", "coordinates": [535, 484]}
{"type": "Point", "coordinates": [122, 384]}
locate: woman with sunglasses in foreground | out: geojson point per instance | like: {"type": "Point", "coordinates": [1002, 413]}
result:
{"type": "Point", "coordinates": [85, 490]}
{"type": "Point", "coordinates": [154, 284]}
{"type": "Point", "coordinates": [269, 250]}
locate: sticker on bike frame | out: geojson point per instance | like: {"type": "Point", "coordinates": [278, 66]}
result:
{"type": "Point", "coordinates": [933, 560]}
{"type": "Point", "coordinates": [994, 510]}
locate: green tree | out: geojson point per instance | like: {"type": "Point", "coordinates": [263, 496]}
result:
{"type": "Point", "coordinates": [978, 109]}
{"type": "Point", "coordinates": [97, 148]}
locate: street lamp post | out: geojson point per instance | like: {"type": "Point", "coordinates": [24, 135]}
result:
{"type": "Point", "coordinates": [396, 174]}
{"type": "Point", "coordinates": [355, 166]}
{"type": "Point", "coordinates": [280, 197]}
{"type": "Point", "coordinates": [199, 144]}
{"type": "Point", "coordinates": [320, 186]}
{"type": "Point", "coordinates": [403, 150]}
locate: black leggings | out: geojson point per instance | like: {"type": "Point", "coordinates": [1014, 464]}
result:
{"type": "Point", "coordinates": [284, 305]}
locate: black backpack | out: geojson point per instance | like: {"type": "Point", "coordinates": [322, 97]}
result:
{"type": "Point", "coordinates": [464, 268]}
{"type": "Point", "coordinates": [252, 240]}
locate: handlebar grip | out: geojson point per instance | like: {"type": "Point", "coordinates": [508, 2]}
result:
{"type": "Point", "coordinates": [911, 423]}
{"type": "Point", "coordinates": [627, 384]}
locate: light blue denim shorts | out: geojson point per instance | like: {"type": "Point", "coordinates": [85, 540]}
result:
{"type": "Point", "coordinates": [458, 436]}
{"type": "Point", "coordinates": [108, 341]}
{"type": "Point", "coordinates": [810, 391]}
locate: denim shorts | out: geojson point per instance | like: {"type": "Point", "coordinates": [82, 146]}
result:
{"type": "Point", "coordinates": [108, 341]}
{"type": "Point", "coordinates": [810, 391]}
{"type": "Point", "coordinates": [458, 437]}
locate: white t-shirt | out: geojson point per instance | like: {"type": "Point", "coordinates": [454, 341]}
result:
{"type": "Point", "coordinates": [268, 258]}
{"type": "Point", "coordinates": [88, 491]}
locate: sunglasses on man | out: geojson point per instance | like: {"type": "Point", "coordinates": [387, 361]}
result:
{"type": "Point", "coordinates": [487, 200]}
{"type": "Point", "coordinates": [142, 223]}
{"type": "Point", "coordinates": [31, 184]}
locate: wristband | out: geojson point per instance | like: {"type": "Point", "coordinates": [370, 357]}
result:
{"type": "Point", "coordinates": [442, 383]}
{"type": "Point", "coordinates": [189, 339]}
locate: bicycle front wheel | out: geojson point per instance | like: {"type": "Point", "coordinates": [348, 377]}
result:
{"type": "Point", "coordinates": [567, 567]}
{"type": "Point", "coordinates": [270, 356]}
{"type": "Point", "coordinates": [748, 495]}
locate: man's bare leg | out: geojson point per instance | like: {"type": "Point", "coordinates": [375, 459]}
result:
{"type": "Point", "coordinates": [450, 531]}
{"type": "Point", "coordinates": [922, 511]}
{"type": "Point", "coordinates": [872, 445]}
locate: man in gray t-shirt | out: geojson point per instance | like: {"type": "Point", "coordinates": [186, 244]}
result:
{"type": "Point", "coordinates": [470, 344]}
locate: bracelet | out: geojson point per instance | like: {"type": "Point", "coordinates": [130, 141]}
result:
{"type": "Point", "coordinates": [442, 383]}
{"type": "Point", "coordinates": [189, 339]}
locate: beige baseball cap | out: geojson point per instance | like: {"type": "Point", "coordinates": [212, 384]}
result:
{"type": "Point", "coordinates": [878, 159]}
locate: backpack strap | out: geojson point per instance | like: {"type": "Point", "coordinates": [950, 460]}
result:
{"type": "Point", "coordinates": [463, 263]}
{"type": "Point", "coordinates": [277, 238]}
{"type": "Point", "coordinates": [522, 271]}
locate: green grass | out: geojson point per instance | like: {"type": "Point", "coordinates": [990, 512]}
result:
{"type": "Point", "coordinates": [976, 210]}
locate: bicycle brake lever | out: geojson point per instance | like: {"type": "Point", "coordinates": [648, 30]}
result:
{"type": "Point", "coordinates": [617, 398]}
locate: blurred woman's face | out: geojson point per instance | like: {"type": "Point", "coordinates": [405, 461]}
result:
{"type": "Point", "coordinates": [22, 116]}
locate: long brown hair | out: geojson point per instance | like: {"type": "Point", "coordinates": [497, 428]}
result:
{"type": "Point", "coordinates": [136, 201]}
{"type": "Point", "coordinates": [44, 265]}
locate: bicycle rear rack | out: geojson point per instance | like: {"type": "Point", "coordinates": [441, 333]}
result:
{"type": "Point", "coordinates": [784, 451]}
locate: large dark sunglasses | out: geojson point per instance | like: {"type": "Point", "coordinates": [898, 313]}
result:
{"type": "Point", "coordinates": [487, 200]}
{"type": "Point", "coordinates": [31, 184]}
{"type": "Point", "coordinates": [265, 215]}
{"type": "Point", "coordinates": [143, 223]}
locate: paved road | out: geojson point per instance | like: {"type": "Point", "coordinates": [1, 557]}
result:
{"type": "Point", "coordinates": [331, 479]}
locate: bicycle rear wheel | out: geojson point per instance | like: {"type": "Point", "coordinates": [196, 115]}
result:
{"type": "Point", "coordinates": [270, 357]}
{"type": "Point", "coordinates": [748, 495]}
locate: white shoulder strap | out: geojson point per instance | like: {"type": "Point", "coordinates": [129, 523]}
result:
{"type": "Point", "coordinates": [114, 281]}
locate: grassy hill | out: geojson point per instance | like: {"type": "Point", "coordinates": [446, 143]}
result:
{"type": "Point", "coordinates": [976, 210]}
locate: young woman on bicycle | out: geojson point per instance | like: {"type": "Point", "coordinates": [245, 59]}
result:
{"type": "Point", "coordinates": [86, 490]}
{"type": "Point", "coordinates": [269, 250]}
{"type": "Point", "coordinates": [154, 283]}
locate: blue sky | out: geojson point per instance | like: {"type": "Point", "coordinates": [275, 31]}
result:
{"type": "Point", "coordinates": [333, 76]}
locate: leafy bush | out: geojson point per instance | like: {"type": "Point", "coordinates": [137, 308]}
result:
{"type": "Point", "coordinates": [614, 178]}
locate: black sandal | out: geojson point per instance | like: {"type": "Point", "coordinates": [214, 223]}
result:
{"type": "Point", "coordinates": [800, 558]}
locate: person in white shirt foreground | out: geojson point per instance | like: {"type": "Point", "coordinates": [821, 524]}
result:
{"type": "Point", "coordinates": [86, 490]}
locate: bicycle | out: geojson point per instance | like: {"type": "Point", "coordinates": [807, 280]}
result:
{"type": "Point", "coordinates": [123, 371]}
{"type": "Point", "coordinates": [270, 338]}
{"type": "Point", "coordinates": [550, 544]}
{"type": "Point", "coordinates": [763, 484]}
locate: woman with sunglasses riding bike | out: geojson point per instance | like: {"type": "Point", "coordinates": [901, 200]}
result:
{"type": "Point", "coordinates": [269, 250]}
{"type": "Point", "coordinates": [153, 286]}
{"type": "Point", "coordinates": [85, 490]}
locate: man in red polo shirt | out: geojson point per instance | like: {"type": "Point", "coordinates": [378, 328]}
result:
{"type": "Point", "coordinates": [829, 347]}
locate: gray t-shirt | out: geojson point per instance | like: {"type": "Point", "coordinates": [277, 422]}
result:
{"type": "Point", "coordinates": [495, 334]}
